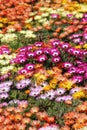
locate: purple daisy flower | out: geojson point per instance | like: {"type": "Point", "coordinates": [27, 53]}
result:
{"type": "Point", "coordinates": [55, 43]}
{"type": "Point", "coordinates": [25, 81]}
{"type": "Point", "coordinates": [60, 91]}
{"type": "Point", "coordinates": [46, 50]}
{"type": "Point", "coordinates": [81, 43]}
{"type": "Point", "coordinates": [50, 94]}
{"type": "Point", "coordinates": [4, 95]}
{"type": "Point", "coordinates": [84, 20]}
{"type": "Point", "coordinates": [67, 65]}
{"type": "Point", "coordinates": [14, 101]}
{"type": "Point", "coordinates": [53, 50]}
{"type": "Point", "coordinates": [76, 35]}
{"type": "Point", "coordinates": [77, 79]}
{"type": "Point", "coordinates": [34, 93]}
{"type": "Point", "coordinates": [72, 70]}
{"type": "Point", "coordinates": [30, 54]}
{"type": "Point", "coordinates": [42, 58]}
{"type": "Point", "coordinates": [5, 52]}
{"type": "Point", "coordinates": [73, 90]}
{"type": "Point", "coordinates": [23, 102]}
{"type": "Point", "coordinates": [23, 71]}
{"type": "Point", "coordinates": [80, 71]}
{"type": "Point", "coordinates": [78, 62]}
{"type": "Point", "coordinates": [30, 66]}
{"type": "Point", "coordinates": [76, 52]}
{"type": "Point", "coordinates": [55, 59]}
{"type": "Point", "coordinates": [4, 104]}
{"type": "Point", "coordinates": [13, 61]}
{"type": "Point", "coordinates": [85, 76]}
{"type": "Point", "coordinates": [85, 53]}
{"type": "Point", "coordinates": [29, 48]}
{"type": "Point", "coordinates": [20, 55]}
{"type": "Point", "coordinates": [42, 96]}
{"type": "Point", "coordinates": [22, 59]}
{"type": "Point", "coordinates": [4, 89]}
{"type": "Point", "coordinates": [23, 49]}
{"type": "Point", "coordinates": [70, 50]}
{"type": "Point", "coordinates": [68, 97]}
{"type": "Point", "coordinates": [77, 40]}
{"type": "Point", "coordinates": [65, 46]}
{"type": "Point", "coordinates": [60, 99]}
{"type": "Point", "coordinates": [85, 15]}
{"type": "Point", "coordinates": [38, 52]}
{"type": "Point", "coordinates": [8, 83]}
{"type": "Point", "coordinates": [36, 88]}
{"type": "Point", "coordinates": [54, 16]}
{"type": "Point", "coordinates": [55, 53]}
{"type": "Point", "coordinates": [85, 36]}
{"type": "Point", "coordinates": [38, 44]}
{"type": "Point", "coordinates": [69, 15]}
{"type": "Point", "coordinates": [21, 85]}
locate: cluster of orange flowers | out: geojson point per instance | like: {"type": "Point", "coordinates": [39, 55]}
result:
{"type": "Point", "coordinates": [15, 12]}
{"type": "Point", "coordinates": [19, 118]}
{"type": "Point", "coordinates": [77, 119]}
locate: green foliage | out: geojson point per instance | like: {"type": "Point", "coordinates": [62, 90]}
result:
{"type": "Point", "coordinates": [17, 94]}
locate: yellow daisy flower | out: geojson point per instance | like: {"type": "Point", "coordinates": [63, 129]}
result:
{"type": "Point", "coordinates": [46, 88]}
{"type": "Point", "coordinates": [66, 84]}
{"type": "Point", "coordinates": [78, 47]}
{"type": "Point", "coordinates": [79, 94]}
{"type": "Point", "coordinates": [1, 25]}
{"type": "Point", "coordinates": [40, 79]}
{"type": "Point", "coordinates": [53, 83]}
{"type": "Point", "coordinates": [85, 46]}
{"type": "Point", "coordinates": [20, 77]}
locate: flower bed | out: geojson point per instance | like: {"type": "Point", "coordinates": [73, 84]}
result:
{"type": "Point", "coordinates": [43, 65]}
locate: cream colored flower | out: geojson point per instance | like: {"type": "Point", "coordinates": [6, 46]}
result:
{"type": "Point", "coordinates": [29, 20]}
{"type": "Point", "coordinates": [8, 37]}
{"type": "Point", "coordinates": [37, 17]}
{"type": "Point", "coordinates": [45, 14]}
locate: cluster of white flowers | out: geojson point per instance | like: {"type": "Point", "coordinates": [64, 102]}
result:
{"type": "Point", "coordinates": [11, 30]}
{"type": "Point", "coordinates": [6, 69]}
{"type": "Point", "coordinates": [5, 63]}
{"type": "Point", "coordinates": [28, 33]}
{"type": "Point", "coordinates": [5, 58]}
{"type": "Point", "coordinates": [1, 35]}
{"type": "Point", "coordinates": [8, 37]}
{"type": "Point", "coordinates": [11, 37]}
